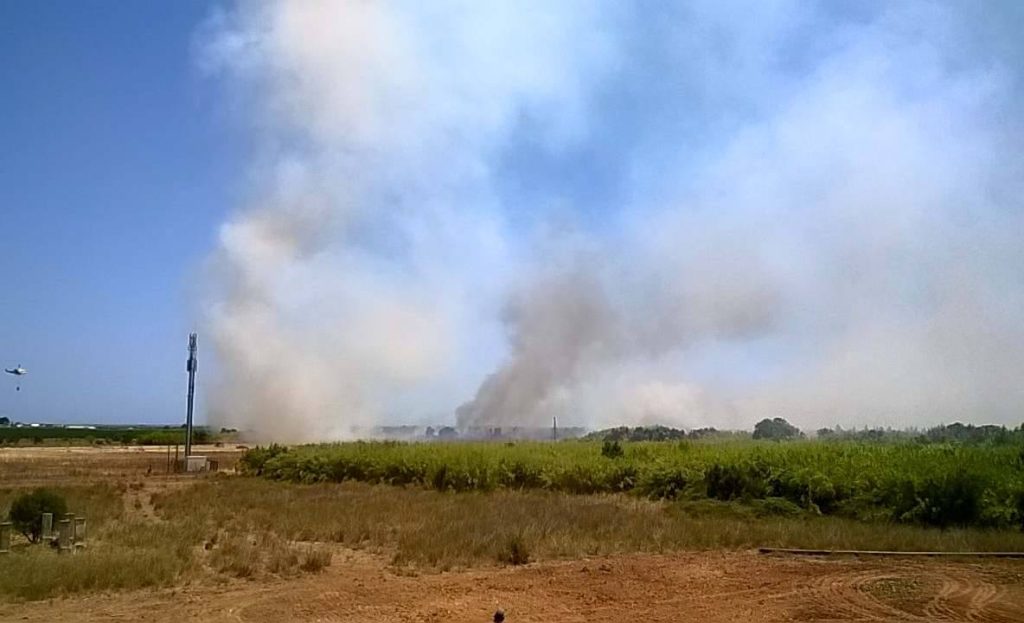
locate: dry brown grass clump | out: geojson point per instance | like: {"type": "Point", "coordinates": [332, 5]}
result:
{"type": "Point", "coordinates": [253, 554]}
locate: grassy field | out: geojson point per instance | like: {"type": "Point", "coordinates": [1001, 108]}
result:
{"type": "Point", "coordinates": [928, 484]}
{"type": "Point", "coordinates": [467, 505]}
{"type": "Point", "coordinates": [120, 554]}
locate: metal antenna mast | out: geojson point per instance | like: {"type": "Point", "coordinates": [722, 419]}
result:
{"type": "Point", "coordinates": [191, 367]}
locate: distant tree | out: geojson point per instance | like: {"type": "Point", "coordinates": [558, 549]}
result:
{"type": "Point", "coordinates": [28, 508]}
{"type": "Point", "coordinates": [5, 421]}
{"type": "Point", "coordinates": [640, 433]}
{"type": "Point", "coordinates": [699, 433]}
{"type": "Point", "coordinates": [776, 429]}
{"type": "Point", "coordinates": [967, 433]}
{"type": "Point", "coordinates": [447, 432]}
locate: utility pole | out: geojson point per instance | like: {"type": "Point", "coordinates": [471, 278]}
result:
{"type": "Point", "coordinates": [554, 428]}
{"type": "Point", "coordinates": [191, 367]}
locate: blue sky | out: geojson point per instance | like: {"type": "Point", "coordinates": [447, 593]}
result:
{"type": "Point", "coordinates": [115, 170]}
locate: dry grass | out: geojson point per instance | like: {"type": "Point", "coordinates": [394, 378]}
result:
{"type": "Point", "coordinates": [444, 530]}
{"type": "Point", "coordinates": [99, 503]}
{"type": "Point", "coordinates": [122, 555]}
{"type": "Point", "coordinates": [315, 559]}
{"type": "Point", "coordinates": [26, 466]}
{"type": "Point", "coordinates": [223, 527]}
{"type": "Point", "coordinates": [255, 554]}
{"type": "Point", "coordinates": [39, 572]}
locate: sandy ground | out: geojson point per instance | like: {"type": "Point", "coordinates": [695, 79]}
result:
{"type": "Point", "coordinates": [49, 465]}
{"type": "Point", "coordinates": [712, 587]}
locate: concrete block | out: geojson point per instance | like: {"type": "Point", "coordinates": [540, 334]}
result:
{"type": "Point", "coordinates": [5, 537]}
{"type": "Point", "coordinates": [47, 528]}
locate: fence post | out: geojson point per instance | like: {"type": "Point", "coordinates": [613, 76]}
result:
{"type": "Point", "coordinates": [5, 537]}
{"type": "Point", "coordinates": [64, 532]}
{"type": "Point", "coordinates": [47, 531]}
{"type": "Point", "coordinates": [78, 532]}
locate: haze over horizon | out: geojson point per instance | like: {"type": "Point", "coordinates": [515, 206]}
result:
{"type": "Point", "coordinates": [691, 214]}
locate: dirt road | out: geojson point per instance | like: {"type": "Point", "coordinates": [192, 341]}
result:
{"type": "Point", "coordinates": [710, 587]}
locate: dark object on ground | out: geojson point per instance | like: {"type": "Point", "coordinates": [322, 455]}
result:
{"type": "Point", "coordinates": [499, 616]}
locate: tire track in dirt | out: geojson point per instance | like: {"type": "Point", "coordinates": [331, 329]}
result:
{"type": "Point", "coordinates": [849, 592]}
{"type": "Point", "coordinates": [713, 587]}
{"type": "Point", "coordinates": [959, 595]}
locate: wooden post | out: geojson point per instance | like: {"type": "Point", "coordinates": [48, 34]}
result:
{"type": "Point", "coordinates": [47, 530]}
{"type": "Point", "coordinates": [5, 537]}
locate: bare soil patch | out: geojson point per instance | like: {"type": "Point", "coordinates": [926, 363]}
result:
{"type": "Point", "coordinates": [726, 587]}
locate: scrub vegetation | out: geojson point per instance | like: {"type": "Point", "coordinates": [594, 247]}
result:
{"type": "Point", "coordinates": [942, 484]}
{"type": "Point", "coordinates": [427, 507]}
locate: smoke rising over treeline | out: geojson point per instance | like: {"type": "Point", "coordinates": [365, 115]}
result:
{"type": "Point", "coordinates": [699, 214]}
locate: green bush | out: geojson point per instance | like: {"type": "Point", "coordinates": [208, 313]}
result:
{"type": "Point", "coordinates": [667, 483]}
{"type": "Point", "coordinates": [254, 460]}
{"type": "Point", "coordinates": [612, 450]}
{"type": "Point", "coordinates": [949, 500]}
{"type": "Point", "coordinates": [736, 481]}
{"type": "Point", "coordinates": [777, 507]}
{"type": "Point", "coordinates": [27, 511]}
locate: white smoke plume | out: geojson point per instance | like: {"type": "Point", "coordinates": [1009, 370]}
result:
{"type": "Point", "coordinates": [701, 214]}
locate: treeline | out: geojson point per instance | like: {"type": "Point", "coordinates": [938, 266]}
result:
{"type": "Point", "coordinates": [102, 434]}
{"type": "Point", "coordinates": [778, 429]}
{"type": "Point", "coordinates": [935, 484]}
{"type": "Point", "coordinates": [950, 433]}
{"type": "Point", "coordinates": [659, 433]}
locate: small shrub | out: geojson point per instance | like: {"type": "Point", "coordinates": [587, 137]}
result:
{"type": "Point", "coordinates": [281, 559]}
{"type": "Point", "coordinates": [612, 450]}
{"type": "Point", "coordinates": [27, 511]}
{"type": "Point", "coordinates": [254, 460]}
{"type": "Point", "coordinates": [237, 556]}
{"type": "Point", "coordinates": [315, 560]}
{"type": "Point", "coordinates": [731, 482]}
{"type": "Point", "coordinates": [515, 551]}
{"type": "Point", "coordinates": [666, 483]}
{"type": "Point", "coordinates": [952, 500]}
{"type": "Point", "coordinates": [778, 507]}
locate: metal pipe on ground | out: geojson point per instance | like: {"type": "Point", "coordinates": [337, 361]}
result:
{"type": "Point", "coordinates": [867, 552]}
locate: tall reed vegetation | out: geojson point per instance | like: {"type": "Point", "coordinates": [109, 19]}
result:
{"type": "Point", "coordinates": [941, 485]}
